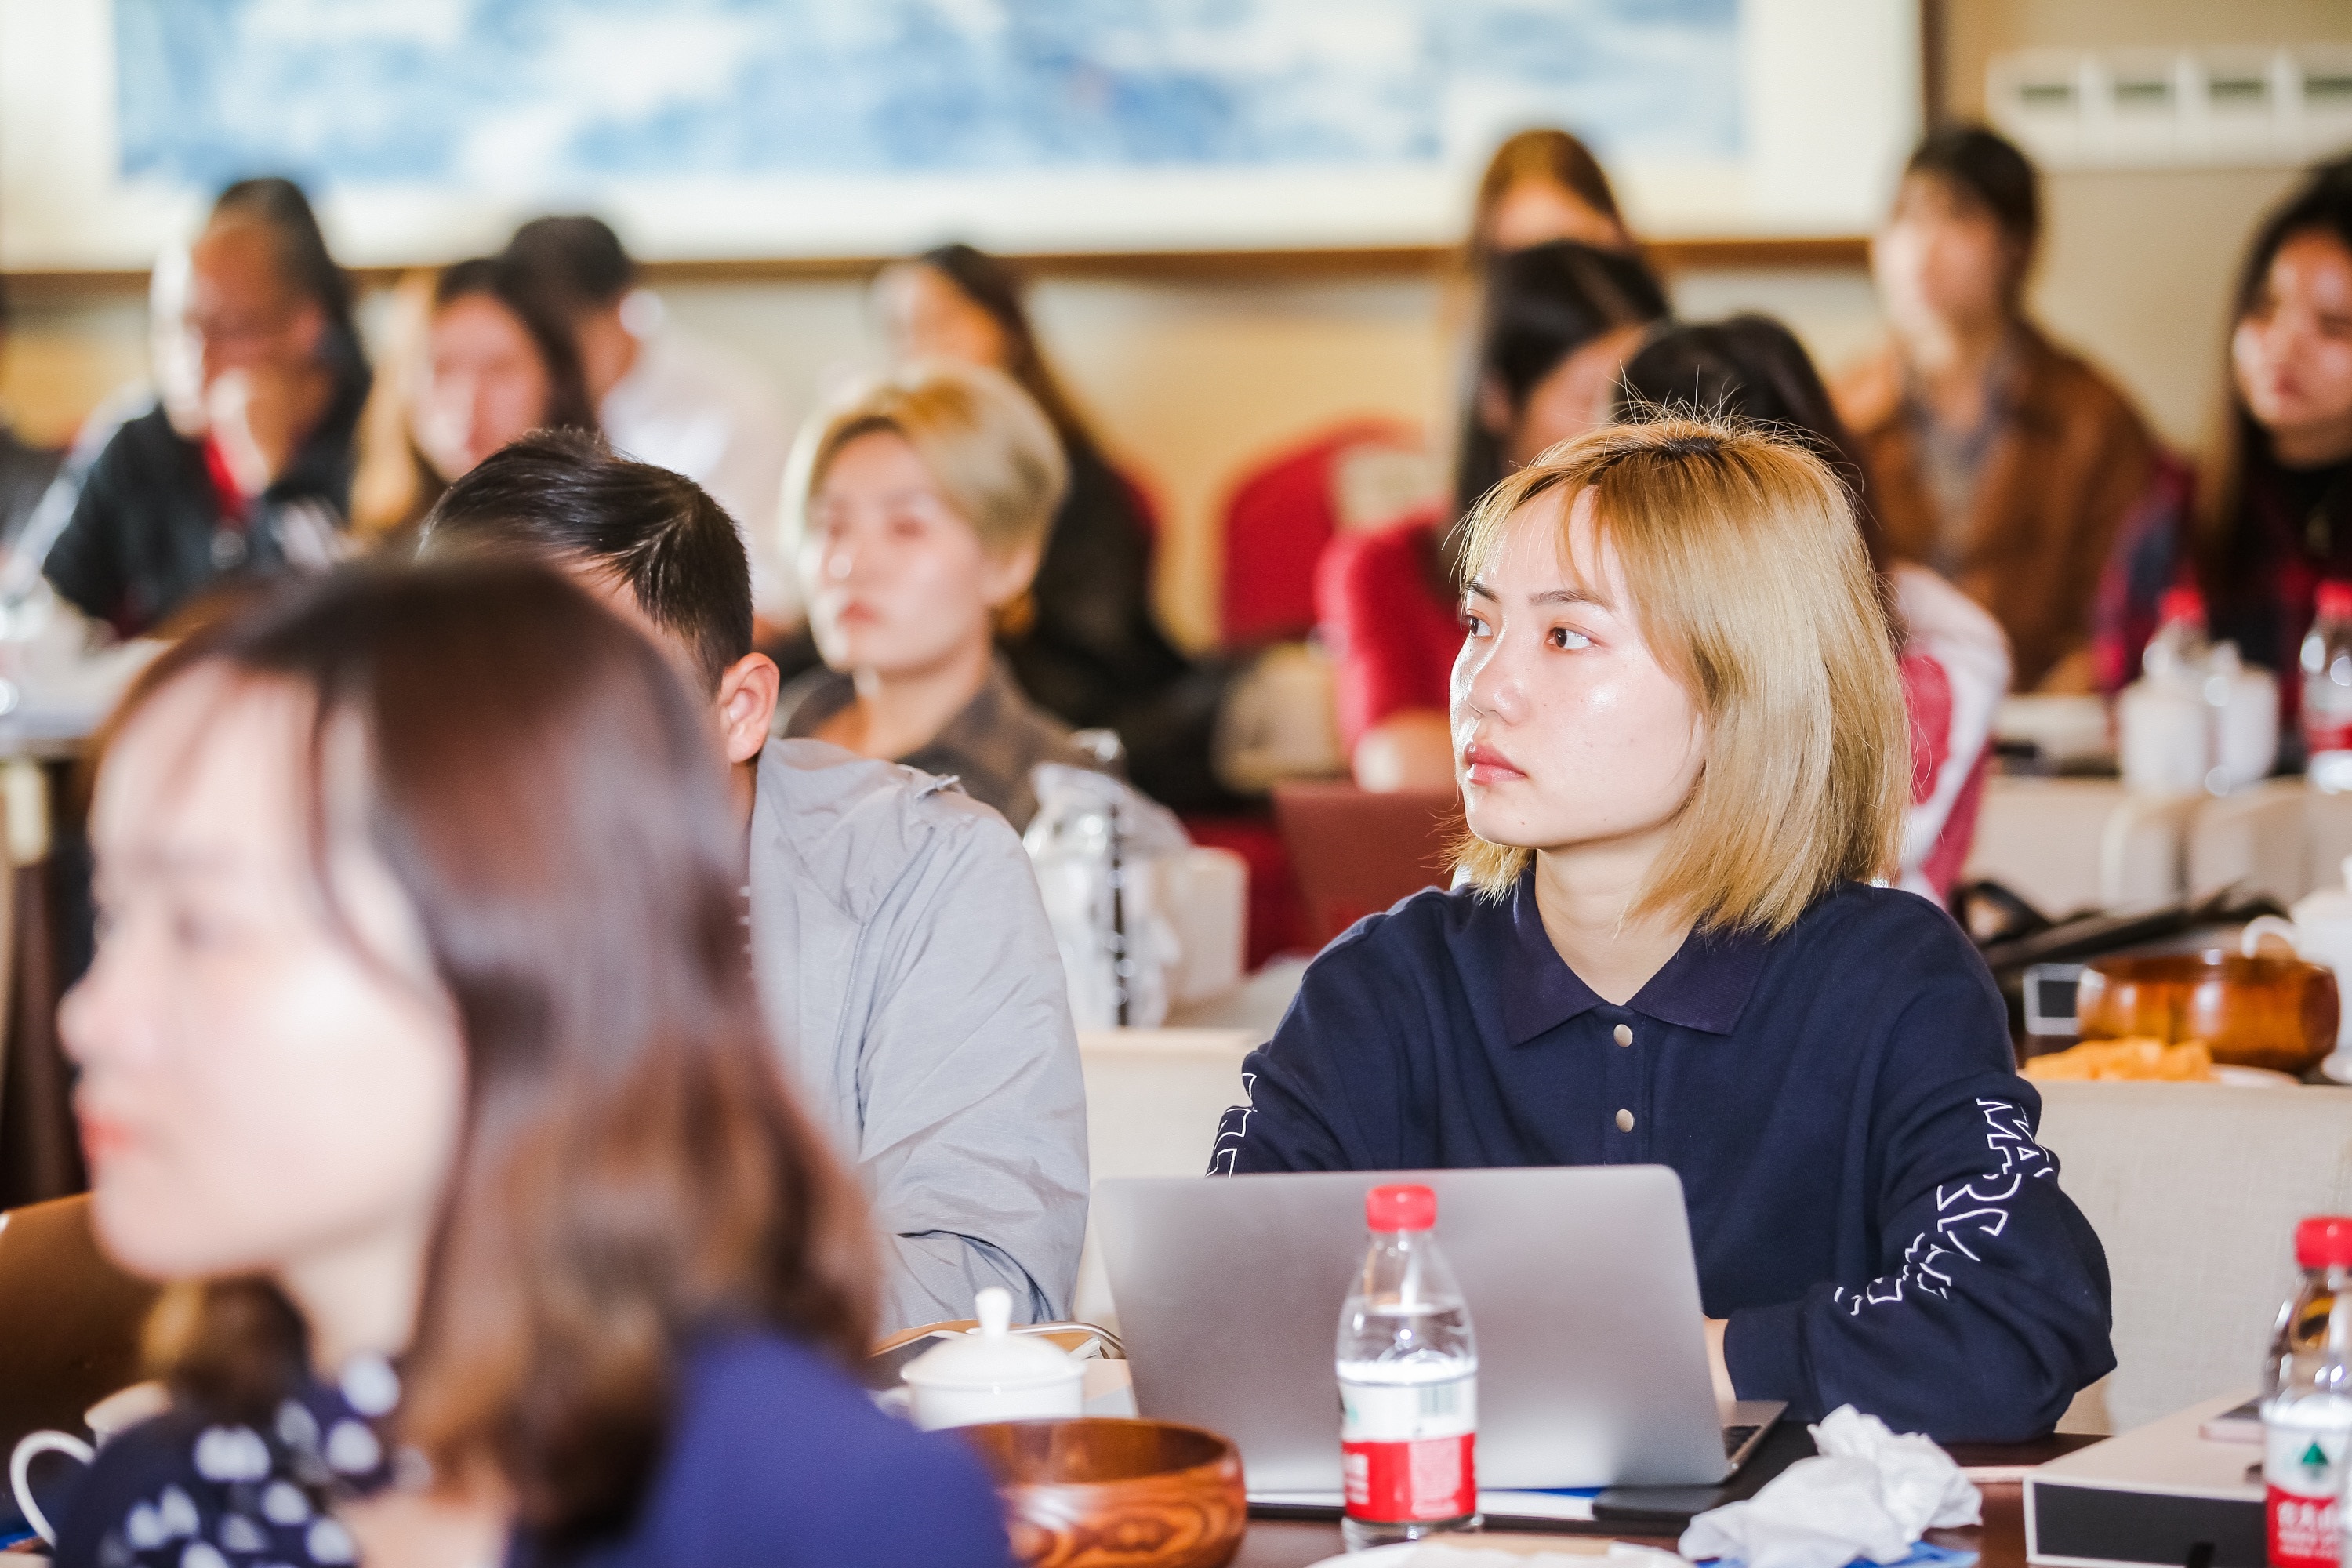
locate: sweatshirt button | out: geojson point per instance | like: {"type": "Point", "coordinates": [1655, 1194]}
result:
{"type": "Point", "coordinates": [1624, 1122]}
{"type": "Point", "coordinates": [1624, 1034]}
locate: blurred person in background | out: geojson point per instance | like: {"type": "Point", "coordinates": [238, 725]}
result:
{"type": "Point", "coordinates": [482, 357]}
{"type": "Point", "coordinates": [1083, 641]}
{"type": "Point", "coordinates": [1559, 321]}
{"type": "Point", "coordinates": [918, 505]}
{"type": "Point", "coordinates": [244, 463]}
{"type": "Point", "coordinates": [666, 397]}
{"type": "Point", "coordinates": [420, 1059]}
{"type": "Point", "coordinates": [1999, 460]}
{"type": "Point", "coordinates": [1954, 660]}
{"type": "Point", "coordinates": [909, 978]}
{"type": "Point", "coordinates": [2271, 514]}
{"type": "Point", "coordinates": [1542, 185]}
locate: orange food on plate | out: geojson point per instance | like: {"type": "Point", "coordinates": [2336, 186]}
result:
{"type": "Point", "coordinates": [2139, 1058]}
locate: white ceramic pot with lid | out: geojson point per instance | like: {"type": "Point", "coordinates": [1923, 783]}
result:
{"type": "Point", "coordinates": [991, 1374]}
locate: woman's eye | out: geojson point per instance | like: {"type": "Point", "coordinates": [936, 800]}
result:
{"type": "Point", "coordinates": [1472, 624]}
{"type": "Point", "coordinates": [1570, 639]}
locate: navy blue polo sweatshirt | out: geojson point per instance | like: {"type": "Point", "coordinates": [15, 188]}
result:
{"type": "Point", "coordinates": [1867, 1203]}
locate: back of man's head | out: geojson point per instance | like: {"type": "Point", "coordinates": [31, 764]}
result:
{"type": "Point", "coordinates": [564, 496]}
{"type": "Point", "coordinates": [580, 258]}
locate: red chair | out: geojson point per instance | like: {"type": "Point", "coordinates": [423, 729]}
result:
{"type": "Point", "coordinates": [1358, 852]}
{"type": "Point", "coordinates": [1279, 517]}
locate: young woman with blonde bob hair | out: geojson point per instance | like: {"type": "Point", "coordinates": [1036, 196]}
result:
{"type": "Point", "coordinates": [918, 507]}
{"type": "Point", "coordinates": [1680, 738]}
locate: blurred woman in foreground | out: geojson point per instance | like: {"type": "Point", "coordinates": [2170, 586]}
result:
{"type": "Point", "coordinates": [479, 356]}
{"type": "Point", "coordinates": [1682, 758]}
{"type": "Point", "coordinates": [421, 1053]}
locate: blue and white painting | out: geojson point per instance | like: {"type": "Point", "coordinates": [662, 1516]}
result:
{"type": "Point", "coordinates": [554, 96]}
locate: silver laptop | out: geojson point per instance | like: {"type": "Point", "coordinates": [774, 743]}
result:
{"type": "Point", "coordinates": [1591, 1347]}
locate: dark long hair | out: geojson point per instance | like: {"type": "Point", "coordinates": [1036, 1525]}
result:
{"type": "Point", "coordinates": [541, 313]}
{"type": "Point", "coordinates": [1537, 306]}
{"type": "Point", "coordinates": [997, 287]}
{"type": "Point", "coordinates": [632, 1171]}
{"type": "Point", "coordinates": [1751, 367]}
{"type": "Point", "coordinates": [2228, 542]}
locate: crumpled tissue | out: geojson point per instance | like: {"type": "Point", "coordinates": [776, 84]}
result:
{"type": "Point", "coordinates": [1869, 1494]}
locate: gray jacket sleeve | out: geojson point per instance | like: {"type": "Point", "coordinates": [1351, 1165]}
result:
{"type": "Point", "coordinates": [973, 1116]}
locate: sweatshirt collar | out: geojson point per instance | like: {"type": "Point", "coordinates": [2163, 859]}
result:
{"type": "Point", "coordinates": [1704, 986]}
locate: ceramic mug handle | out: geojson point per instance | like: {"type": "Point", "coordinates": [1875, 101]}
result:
{"type": "Point", "coordinates": [34, 1446]}
{"type": "Point", "coordinates": [2250, 941]}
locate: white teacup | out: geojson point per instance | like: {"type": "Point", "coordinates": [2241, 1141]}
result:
{"type": "Point", "coordinates": [118, 1411]}
{"type": "Point", "coordinates": [994, 1375]}
{"type": "Point", "coordinates": [2320, 933]}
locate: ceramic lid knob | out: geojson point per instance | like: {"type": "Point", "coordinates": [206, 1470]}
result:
{"type": "Point", "coordinates": [990, 1356]}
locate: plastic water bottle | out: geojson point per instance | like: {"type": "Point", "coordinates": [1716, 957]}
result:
{"type": "Point", "coordinates": [2162, 722]}
{"type": "Point", "coordinates": [2328, 692]}
{"type": "Point", "coordinates": [2178, 649]}
{"type": "Point", "coordinates": [2307, 1402]}
{"type": "Point", "coordinates": [1408, 1367]}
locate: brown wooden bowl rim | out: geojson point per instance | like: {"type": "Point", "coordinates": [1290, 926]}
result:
{"type": "Point", "coordinates": [2180, 967]}
{"type": "Point", "coordinates": [1227, 1451]}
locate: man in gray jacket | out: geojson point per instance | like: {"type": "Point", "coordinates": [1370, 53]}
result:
{"type": "Point", "coordinates": [902, 951]}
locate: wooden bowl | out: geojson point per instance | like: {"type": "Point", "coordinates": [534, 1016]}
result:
{"type": "Point", "coordinates": [1101, 1493]}
{"type": "Point", "coordinates": [2268, 1012]}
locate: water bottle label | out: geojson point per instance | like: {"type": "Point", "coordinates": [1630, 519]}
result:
{"type": "Point", "coordinates": [1406, 1449]}
{"type": "Point", "coordinates": [2302, 1472]}
{"type": "Point", "coordinates": [1432, 1478]}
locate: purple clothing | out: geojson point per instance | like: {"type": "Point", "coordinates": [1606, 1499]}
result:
{"type": "Point", "coordinates": [774, 1457]}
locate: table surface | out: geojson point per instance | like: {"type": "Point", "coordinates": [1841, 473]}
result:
{"type": "Point", "coordinates": [1998, 1541]}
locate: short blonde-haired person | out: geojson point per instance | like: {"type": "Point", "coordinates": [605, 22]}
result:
{"type": "Point", "coordinates": [918, 507]}
{"type": "Point", "coordinates": [1680, 738]}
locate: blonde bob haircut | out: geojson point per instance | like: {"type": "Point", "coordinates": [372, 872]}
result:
{"type": "Point", "coordinates": [1747, 578]}
{"type": "Point", "coordinates": [984, 442]}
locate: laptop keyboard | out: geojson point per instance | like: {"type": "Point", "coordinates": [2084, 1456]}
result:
{"type": "Point", "coordinates": [1735, 1438]}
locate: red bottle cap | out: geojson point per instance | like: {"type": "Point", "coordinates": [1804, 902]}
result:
{"type": "Point", "coordinates": [2324, 1241]}
{"type": "Point", "coordinates": [2181, 605]}
{"type": "Point", "coordinates": [2335, 600]}
{"type": "Point", "coordinates": [1415, 1209]}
